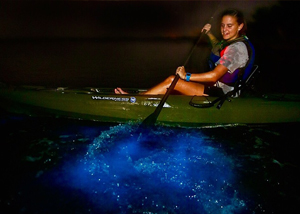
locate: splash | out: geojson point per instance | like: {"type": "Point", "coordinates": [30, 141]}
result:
{"type": "Point", "coordinates": [162, 171]}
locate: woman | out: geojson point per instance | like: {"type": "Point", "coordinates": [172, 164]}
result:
{"type": "Point", "coordinates": [230, 56]}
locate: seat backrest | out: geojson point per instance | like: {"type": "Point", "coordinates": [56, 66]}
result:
{"type": "Point", "coordinates": [250, 77]}
{"type": "Point", "coordinates": [241, 84]}
{"type": "Point", "coordinates": [249, 67]}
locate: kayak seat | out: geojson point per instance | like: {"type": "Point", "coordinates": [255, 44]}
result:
{"type": "Point", "coordinates": [240, 85]}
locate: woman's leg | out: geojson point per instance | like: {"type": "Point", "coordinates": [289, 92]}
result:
{"type": "Point", "coordinates": [182, 86]}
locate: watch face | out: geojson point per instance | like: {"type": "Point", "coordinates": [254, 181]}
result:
{"type": "Point", "coordinates": [187, 77]}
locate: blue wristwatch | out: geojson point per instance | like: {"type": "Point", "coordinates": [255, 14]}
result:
{"type": "Point", "coordinates": [187, 77]}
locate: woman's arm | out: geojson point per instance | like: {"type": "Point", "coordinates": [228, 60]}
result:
{"type": "Point", "coordinates": [213, 40]}
{"type": "Point", "coordinates": [207, 77]}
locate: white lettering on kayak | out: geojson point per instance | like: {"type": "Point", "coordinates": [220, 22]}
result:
{"type": "Point", "coordinates": [117, 99]}
{"type": "Point", "coordinates": [155, 104]}
{"type": "Point", "coordinates": [131, 100]}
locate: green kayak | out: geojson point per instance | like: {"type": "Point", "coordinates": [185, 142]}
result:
{"type": "Point", "coordinates": [179, 110]}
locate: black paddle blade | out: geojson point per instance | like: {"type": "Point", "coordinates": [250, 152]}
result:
{"type": "Point", "coordinates": [149, 121]}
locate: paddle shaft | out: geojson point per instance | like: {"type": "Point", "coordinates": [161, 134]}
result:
{"type": "Point", "coordinates": [151, 119]}
{"type": "Point", "coordinates": [194, 47]}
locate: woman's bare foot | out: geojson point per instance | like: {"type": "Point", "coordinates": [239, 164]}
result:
{"type": "Point", "coordinates": [120, 91]}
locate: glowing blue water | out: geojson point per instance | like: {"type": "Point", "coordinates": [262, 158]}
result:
{"type": "Point", "coordinates": [164, 171]}
{"type": "Point", "coordinates": [67, 166]}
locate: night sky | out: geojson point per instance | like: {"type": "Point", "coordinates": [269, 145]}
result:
{"type": "Point", "coordinates": [94, 19]}
{"type": "Point", "coordinates": [97, 42]}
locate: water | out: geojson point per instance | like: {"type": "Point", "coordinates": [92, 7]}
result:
{"type": "Point", "coordinates": [139, 63]}
{"type": "Point", "coordinates": [52, 165]}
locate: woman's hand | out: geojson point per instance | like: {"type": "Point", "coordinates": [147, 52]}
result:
{"type": "Point", "coordinates": [181, 72]}
{"type": "Point", "coordinates": [207, 28]}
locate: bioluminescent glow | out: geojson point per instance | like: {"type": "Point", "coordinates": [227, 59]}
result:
{"type": "Point", "coordinates": [166, 171]}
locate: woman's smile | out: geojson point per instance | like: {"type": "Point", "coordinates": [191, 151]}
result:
{"type": "Point", "coordinates": [230, 28]}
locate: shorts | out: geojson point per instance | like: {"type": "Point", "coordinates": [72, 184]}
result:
{"type": "Point", "coordinates": [213, 91]}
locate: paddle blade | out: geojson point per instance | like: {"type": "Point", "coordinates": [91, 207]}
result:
{"type": "Point", "coordinates": [150, 120]}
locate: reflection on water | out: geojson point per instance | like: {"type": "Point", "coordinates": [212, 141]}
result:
{"type": "Point", "coordinates": [67, 166]}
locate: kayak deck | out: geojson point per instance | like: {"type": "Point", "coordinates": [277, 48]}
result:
{"type": "Point", "coordinates": [103, 105]}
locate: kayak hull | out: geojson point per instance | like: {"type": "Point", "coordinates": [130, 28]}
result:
{"type": "Point", "coordinates": [88, 104]}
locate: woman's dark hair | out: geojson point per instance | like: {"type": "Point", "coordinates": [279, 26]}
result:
{"type": "Point", "coordinates": [239, 17]}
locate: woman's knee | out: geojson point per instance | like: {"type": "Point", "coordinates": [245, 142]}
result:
{"type": "Point", "coordinates": [170, 79]}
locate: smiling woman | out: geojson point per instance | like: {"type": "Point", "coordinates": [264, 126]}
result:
{"type": "Point", "coordinates": [231, 59]}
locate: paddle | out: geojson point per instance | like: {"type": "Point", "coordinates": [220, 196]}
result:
{"type": "Point", "coordinates": [151, 119]}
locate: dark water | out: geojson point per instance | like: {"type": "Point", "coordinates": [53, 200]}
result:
{"type": "Point", "coordinates": [139, 63]}
{"type": "Point", "coordinates": [52, 165]}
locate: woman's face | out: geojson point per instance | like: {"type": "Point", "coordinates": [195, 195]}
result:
{"type": "Point", "coordinates": [230, 28]}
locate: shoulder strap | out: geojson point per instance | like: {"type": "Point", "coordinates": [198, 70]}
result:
{"type": "Point", "coordinates": [246, 70]}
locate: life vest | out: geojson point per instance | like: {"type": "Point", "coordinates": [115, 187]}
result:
{"type": "Point", "coordinates": [244, 72]}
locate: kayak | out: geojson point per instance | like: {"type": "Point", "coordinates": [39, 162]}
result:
{"type": "Point", "coordinates": [179, 110]}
